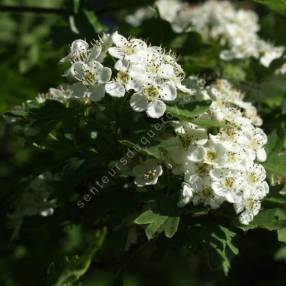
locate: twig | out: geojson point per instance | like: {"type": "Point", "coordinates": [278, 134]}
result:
{"type": "Point", "coordinates": [33, 9]}
{"type": "Point", "coordinates": [61, 11]}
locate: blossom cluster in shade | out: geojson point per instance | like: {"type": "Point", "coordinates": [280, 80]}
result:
{"type": "Point", "coordinates": [219, 164]}
{"type": "Point", "coordinates": [148, 74]}
{"type": "Point", "coordinates": [222, 165]}
{"type": "Point", "coordinates": [236, 30]}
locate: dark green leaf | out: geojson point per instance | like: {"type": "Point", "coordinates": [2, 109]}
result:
{"type": "Point", "coordinates": [189, 111]}
{"type": "Point", "coordinates": [276, 5]}
{"type": "Point", "coordinates": [68, 271]}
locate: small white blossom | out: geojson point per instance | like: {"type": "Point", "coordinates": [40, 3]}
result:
{"type": "Point", "coordinates": [139, 16]}
{"type": "Point", "coordinates": [186, 194]}
{"type": "Point", "coordinates": [78, 51]}
{"type": "Point", "coordinates": [227, 183]}
{"type": "Point", "coordinates": [247, 209]}
{"type": "Point", "coordinates": [130, 50]}
{"type": "Point", "coordinates": [151, 98]}
{"type": "Point", "coordinates": [147, 173]}
{"type": "Point", "coordinates": [269, 53]}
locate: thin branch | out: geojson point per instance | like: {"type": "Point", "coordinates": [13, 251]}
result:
{"type": "Point", "coordinates": [33, 9]}
{"type": "Point", "coordinates": [61, 11]}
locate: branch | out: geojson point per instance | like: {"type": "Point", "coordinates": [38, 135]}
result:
{"type": "Point", "coordinates": [61, 11]}
{"type": "Point", "coordinates": [32, 9]}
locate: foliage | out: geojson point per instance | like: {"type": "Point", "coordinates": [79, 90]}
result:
{"type": "Point", "coordinates": [68, 226]}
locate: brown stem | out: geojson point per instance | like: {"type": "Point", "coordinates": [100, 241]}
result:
{"type": "Point", "coordinates": [33, 9]}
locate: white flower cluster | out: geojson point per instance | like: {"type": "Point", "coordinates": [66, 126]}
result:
{"type": "Point", "coordinates": [236, 30]}
{"type": "Point", "coordinates": [223, 166]}
{"type": "Point", "coordinates": [219, 164]}
{"type": "Point", "coordinates": [149, 74]}
{"type": "Point", "coordinates": [152, 75]}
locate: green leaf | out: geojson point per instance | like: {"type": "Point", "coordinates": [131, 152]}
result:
{"type": "Point", "coordinates": [76, 4]}
{"type": "Point", "coordinates": [276, 5]}
{"type": "Point", "coordinates": [208, 123]}
{"type": "Point", "coordinates": [93, 21]}
{"type": "Point", "coordinates": [171, 226]}
{"type": "Point", "coordinates": [270, 91]}
{"type": "Point", "coordinates": [234, 72]}
{"type": "Point", "coordinates": [280, 255]}
{"type": "Point", "coordinates": [189, 111]}
{"type": "Point", "coordinates": [156, 226]}
{"type": "Point", "coordinates": [276, 155]}
{"type": "Point", "coordinates": [69, 270]}
{"type": "Point", "coordinates": [276, 163]}
{"type": "Point", "coordinates": [157, 223]}
{"type": "Point", "coordinates": [270, 219]}
{"type": "Point", "coordinates": [222, 243]}
{"type": "Point", "coordinates": [151, 151]}
{"type": "Point", "coordinates": [275, 142]}
{"type": "Point", "coordinates": [145, 218]}
{"type": "Point", "coordinates": [282, 234]}
{"type": "Point", "coordinates": [216, 240]}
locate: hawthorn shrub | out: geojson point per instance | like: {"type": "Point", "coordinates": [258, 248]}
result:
{"type": "Point", "coordinates": [157, 134]}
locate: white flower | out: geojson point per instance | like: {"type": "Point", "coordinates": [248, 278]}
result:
{"type": "Point", "coordinates": [139, 16]}
{"type": "Point", "coordinates": [210, 154]}
{"type": "Point", "coordinates": [256, 185]}
{"type": "Point", "coordinates": [202, 191]}
{"type": "Point", "coordinates": [130, 50]}
{"type": "Point", "coordinates": [147, 173]}
{"type": "Point", "coordinates": [168, 9]}
{"type": "Point", "coordinates": [186, 194]}
{"type": "Point", "coordinates": [151, 98]}
{"type": "Point", "coordinates": [254, 139]}
{"type": "Point", "coordinates": [78, 51]}
{"type": "Point", "coordinates": [60, 94]}
{"type": "Point", "coordinates": [190, 134]}
{"type": "Point", "coordinates": [256, 190]}
{"type": "Point", "coordinates": [90, 73]}
{"type": "Point", "coordinates": [269, 53]}
{"type": "Point", "coordinates": [129, 77]}
{"type": "Point", "coordinates": [92, 93]}
{"type": "Point", "coordinates": [228, 184]}
{"type": "Point", "coordinates": [92, 77]}
{"type": "Point", "coordinates": [247, 209]}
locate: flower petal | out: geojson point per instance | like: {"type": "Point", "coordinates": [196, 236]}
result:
{"type": "Point", "coordinates": [116, 52]}
{"type": "Point", "coordinates": [95, 52]}
{"type": "Point", "coordinates": [79, 46]}
{"type": "Point", "coordinates": [96, 92]}
{"type": "Point", "coordinates": [78, 90]}
{"type": "Point", "coordinates": [184, 89]}
{"type": "Point", "coordinates": [168, 92]}
{"type": "Point", "coordinates": [156, 108]}
{"type": "Point", "coordinates": [261, 155]}
{"type": "Point", "coordinates": [197, 154]}
{"type": "Point", "coordinates": [118, 39]}
{"type": "Point", "coordinates": [78, 69]}
{"type": "Point", "coordinates": [166, 71]}
{"type": "Point", "coordinates": [138, 102]}
{"type": "Point", "coordinates": [139, 44]}
{"type": "Point", "coordinates": [104, 75]}
{"type": "Point", "coordinates": [95, 65]}
{"type": "Point", "coordinates": [115, 89]}
{"type": "Point", "coordinates": [121, 65]}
